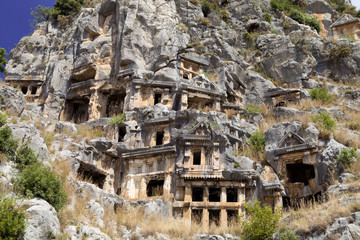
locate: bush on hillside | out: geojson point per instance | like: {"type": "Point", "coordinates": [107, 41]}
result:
{"type": "Point", "coordinates": [260, 222]}
{"type": "Point", "coordinates": [8, 145]}
{"type": "Point", "coordinates": [321, 94]}
{"type": "Point", "coordinates": [338, 52]}
{"type": "Point", "coordinates": [3, 119]}
{"type": "Point", "coordinates": [12, 220]}
{"type": "Point", "coordinates": [25, 156]}
{"type": "Point", "coordinates": [118, 120]}
{"type": "Point", "coordinates": [36, 180]}
{"type": "Point", "coordinates": [346, 157]}
{"type": "Point", "coordinates": [324, 120]}
{"type": "Point", "coordinates": [257, 141]}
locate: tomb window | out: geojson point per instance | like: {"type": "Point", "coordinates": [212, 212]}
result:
{"type": "Point", "coordinates": [155, 188]}
{"type": "Point", "coordinates": [214, 217]}
{"type": "Point", "coordinates": [157, 98]}
{"type": "Point", "coordinates": [231, 195]}
{"type": "Point", "coordinates": [299, 172]}
{"type": "Point", "coordinates": [118, 191]}
{"type": "Point", "coordinates": [197, 194]}
{"type": "Point", "coordinates": [24, 90]}
{"type": "Point", "coordinates": [214, 194]}
{"type": "Point", "coordinates": [33, 90]}
{"type": "Point", "coordinates": [122, 133]}
{"type": "Point", "coordinates": [197, 158]}
{"type": "Point", "coordinates": [87, 173]}
{"type": "Point", "coordinates": [196, 215]}
{"type": "Point", "coordinates": [341, 31]}
{"type": "Point", "coordinates": [232, 216]}
{"type": "Point", "coordinates": [160, 138]}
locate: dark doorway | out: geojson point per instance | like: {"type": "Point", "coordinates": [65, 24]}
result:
{"type": "Point", "coordinates": [214, 217]}
{"type": "Point", "coordinates": [232, 216]}
{"type": "Point", "coordinates": [118, 191]}
{"type": "Point", "coordinates": [155, 188]}
{"type": "Point", "coordinates": [77, 110]}
{"type": "Point", "coordinates": [299, 172]}
{"type": "Point", "coordinates": [214, 194]}
{"type": "Point", "coordinates": [33, 90]}
{"type": "Point", "coordinates": [159, 138]}
{"type": "Point", "coordinates": [177, 102]}
{"type": "Point", "coordinates": [24, 90]}
{"type": "Point", "coordinates": [157, 98]}
{"type": "Point", "coordinates": [196, 215]}
{"type": "Point", "coordinates": [197, 158]}
{"type": "Point", "coordinates": [115, 104]}
{"type": "Point", "coordinates": [197, 194]}
{"type": "Point", "coordinates": [122, 133]}
{"type": "Point", "coordinates": [89, 173]}
{"type": "Point", "coordinates": [231, 195]}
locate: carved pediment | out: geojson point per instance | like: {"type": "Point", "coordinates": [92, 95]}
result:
{"type": "Point", "coordinates": [200, 129]}
{"type": "Point", "coordinates": [290, 139]}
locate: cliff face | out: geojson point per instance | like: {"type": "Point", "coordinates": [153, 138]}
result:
{"type": "Point", "coordinates": [177, 90]}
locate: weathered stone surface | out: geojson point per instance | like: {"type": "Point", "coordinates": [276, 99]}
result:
{"type": "Point", "coordinates": [101, 144]}
{"type": "Point", "coordinates": [12, 100]}
{"type": "Point", "coordinates": [83, 231]}
{"type": "Point", "coordinates": [66, 127]}
{"type": "Point", "coordinates": [29, 135]}
{"type": "Point", "coordinates": [43, 222]}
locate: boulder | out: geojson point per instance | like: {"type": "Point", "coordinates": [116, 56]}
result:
{"type": "Point", "coordinates": [43, 222]}
{"type": "Point", "coordinates": [66, 127]}
{"type": "Point", "coordinates": [101, 144]}
{"type": "Point", "coordinates": [12, 100]}
{"type": "Point", "coordinates": [29, 135]}
{"type": "Point", "coordinates": [85, 232]}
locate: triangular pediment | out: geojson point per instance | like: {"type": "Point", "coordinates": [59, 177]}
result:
{"type": "Point", "coordinates": [200, 129]}
{"type": "Point", "coordinates": [290, 139]}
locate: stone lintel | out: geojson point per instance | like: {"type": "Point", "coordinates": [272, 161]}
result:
{"type": "Point", "coordinates": [159, 120]}
{"type": "Point", "coordinates": [204, 91]}
{"type": "Point", "coordinates": [198, 59]}
{"type": "Point", "coordinates": [148, 151]}
{"type": "Point", "coordinates": [154, 83]}
{"type": "Point", "coordinates": [232, 105]}
{"type": "Point", "coordinates": [192, 137]}
{"type": "Point", "coordinates": [297, 148]}
{"type": "Point", "coordinates": [274, 92]}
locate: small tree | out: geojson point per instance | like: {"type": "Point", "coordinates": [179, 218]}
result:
{"type": "Point", "coordinates": [12, 220]}
{"type": "Point", "coordinates": [257, 141]}
{"type": "Point", "coordinates": [324, 120]}
{"type": "Point", "coordinates": [36, 180]}
{"type": "Point", "coordinates": [3, 119]}
{"type": "Point", "coordinates": [3, 60]}
{"type": "Point", "coordinates": [8, 145]}
{"type": "Point", "coordinates": [321, 94]}
{"type": "Point", "coordinates": [260, 222]}
{"type": "Point", "coordinates": [346, 157]}
{"type": "Point", "coordinates": [25, 156]}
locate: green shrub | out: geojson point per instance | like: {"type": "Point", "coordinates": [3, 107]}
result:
{"type": "Point", "coordinates": [324, 120]}
{"type": "Point", "coordinates": [40, 14]}
{"type": "Point", "coordinates": [253, 108]}
{"type": "Point", "coordinates": [321, 94]}
{"type": "Point", "coordinates": [66, 7]}
{"type": "Point", "coordinates": [260, 222]}
{"type": "Point", "coordinates": [267, 17]}
{"type": "Point", "coordinates": [12, 220]}
{"type": "Point", "coordinates": [36, 180]}
{"type": "Point", "coordinates": [287, 234]}
{"type": "Point", "coordinates": [118, 120]}
{"type": "Point", "coordinates": [257, 141]}
{"type": "Point", "coordinates": [249, 39]}
{"type": "Point", "coordinates": [3, 119]}
{"type": "Point", "coordinates": [25, 156]}
{"type": "Point", "coordinates": [338, 52]}
{"type": "Point", "coordinates": [8, 145]}
{"type": "Point", "coordinates": [296, 10]}
{"type": "Point", "coordinates": [346, 157]}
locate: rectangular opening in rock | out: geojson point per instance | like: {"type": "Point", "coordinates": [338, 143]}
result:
{"type": "Point", "coordinates": [115, 104]}
{"type": "Point", "coordinates": [231, 195]}
{"type": "Point", "coordinates": [299, 172]}
{"type": "Point", "coordinates": [197, 158]}
{"type": "Point", "coordinates": [89, 173]}
{"type": "Point", "coordinates": [157, 98]}
{"type": "Point", "coordinates": [122, 133]}
{"type": "Point", "coordinates": [155, 188]}
{"type": "Point", "coordinates": [24, 89]}
{"type": "Point", "coordinates": [178, 213]}
{"type": "Point", "coordinates": [196, 215]}
{"type": "Point", "coordinates": [76, 110]}
{"type": "Point", "coordinates": [33, 90]}
{"type": "Point", "coordinates": [214, 217]}
{"type": "Point", "coordinates": [232, 216]}
{"type": "Point", "coordinates": [159, 138]}
{"type": "Point", "coordinates": [214, 194]}
{"type": "Point", "coordinates": [197, 194]}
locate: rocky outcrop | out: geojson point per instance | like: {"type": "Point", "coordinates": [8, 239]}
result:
{"type": "Point", "coordinates": [11, 100]}
{"type": "Point", "coordinates": [43, 222]}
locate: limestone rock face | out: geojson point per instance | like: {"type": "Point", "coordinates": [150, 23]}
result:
{"type": "Point", "coordinates": [30, 135]}
{"type": "Point", "coordinates": [12, 100]}
{"type": "Point", "coordinates": [43, 222]}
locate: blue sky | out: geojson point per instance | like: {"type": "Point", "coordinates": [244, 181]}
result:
{"type": "Point", "coordinates": [15, 20]}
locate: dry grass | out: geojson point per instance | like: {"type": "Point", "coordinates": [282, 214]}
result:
{"type": "Point", "coordinates": [344, 137]}
{"type": "Point", "coordinates": [231, 112]}
{"type": "Point", "coordinates": [315, 216]}
{"type": "Point", "coordinates": [89, 132]}
{"type": "Point", "coordinates": [306, 104]}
